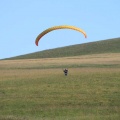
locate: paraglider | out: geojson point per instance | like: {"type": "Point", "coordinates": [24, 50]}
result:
{"type": "Point", "coordinates": [65, 71]}
{"type": "Point", "coordinates": [58, 27]}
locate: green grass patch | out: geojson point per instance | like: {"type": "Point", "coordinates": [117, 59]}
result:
{"type": "Point", "coordinates": [80, 95]}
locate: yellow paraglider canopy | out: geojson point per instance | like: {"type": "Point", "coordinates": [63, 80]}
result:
{"type": "Point", "coordinates": [58, 27]}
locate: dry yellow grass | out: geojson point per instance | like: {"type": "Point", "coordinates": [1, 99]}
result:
{"type": "Point", "coordinates": [10, 69]}
{"type": "Point", "coordinates": [85, 59]}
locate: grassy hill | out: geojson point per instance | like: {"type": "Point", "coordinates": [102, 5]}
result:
{"type": "Point", "coordinates": [36, 89]}
{"type": "Point", "coordinates": [104, 46]}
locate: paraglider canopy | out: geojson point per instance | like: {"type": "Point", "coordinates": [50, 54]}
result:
{"type": "Point", "coordinates": [58, 27]}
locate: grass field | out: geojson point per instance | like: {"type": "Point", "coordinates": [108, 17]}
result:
{"type": "Point", "coordinates": [36, 89]}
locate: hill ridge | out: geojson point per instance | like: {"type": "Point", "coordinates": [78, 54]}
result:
{"type": "Point", "coordinates": [97, 47]}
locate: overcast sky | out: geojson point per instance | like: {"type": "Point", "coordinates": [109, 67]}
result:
{"type": "Point", "coordinates": [22, 20]}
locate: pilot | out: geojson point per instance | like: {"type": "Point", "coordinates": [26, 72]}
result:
{"type": "Point", "coordinates": [65, 71]}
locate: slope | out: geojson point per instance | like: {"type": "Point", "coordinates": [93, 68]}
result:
{"type": "Point", "coordinates": [103, 46]}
